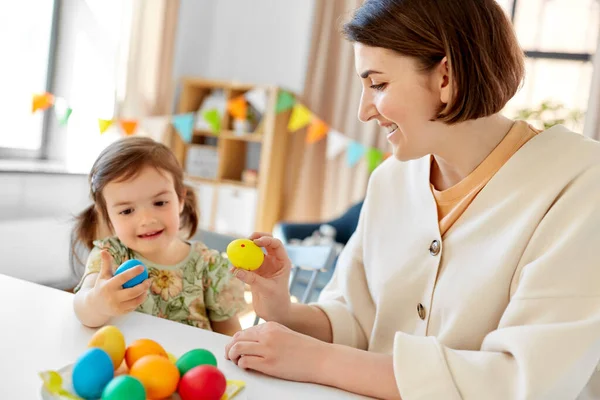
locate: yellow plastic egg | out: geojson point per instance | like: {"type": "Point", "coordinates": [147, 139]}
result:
{"type": "Point", "coordinates": [111, 340]}
{"type": "Point", "coordinates": [244, 254]}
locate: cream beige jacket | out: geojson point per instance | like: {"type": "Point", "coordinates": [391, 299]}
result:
{"type": "Point", "coordinates": [506, 305]}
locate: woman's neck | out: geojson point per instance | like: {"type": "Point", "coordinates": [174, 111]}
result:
{"type": "Point", "coordinates": [463, 147]}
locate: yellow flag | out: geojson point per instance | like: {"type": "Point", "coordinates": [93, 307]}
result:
{"type": "Point", "coordinates": [300, 117]}
{"type": "Point", "coordinates": [129, 126]}
{"type": "Point", "coordinates": [104, 124]}
{"type": "Point", "coordinates": [316, 131]}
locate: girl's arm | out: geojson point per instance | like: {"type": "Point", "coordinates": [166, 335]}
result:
{"type": "Point", "coordinates": [84, 307]}
{"type": "Point", "coordinates": [228, 327]}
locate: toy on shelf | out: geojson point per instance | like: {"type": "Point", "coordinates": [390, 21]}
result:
{"type": "Point", "coordinates": [144, 369]}
{"type": "Point", "coordinates": [245, 254]}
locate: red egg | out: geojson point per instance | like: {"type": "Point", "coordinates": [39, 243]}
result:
{"type": "Point", "coordinates": [202, 382]}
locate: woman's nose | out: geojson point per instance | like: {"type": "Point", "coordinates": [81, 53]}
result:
{"type": "Point", "coordinates": [366, 110]}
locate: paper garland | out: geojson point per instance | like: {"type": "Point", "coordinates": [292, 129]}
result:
{"type": "Point", "coordinates": [300, 117]}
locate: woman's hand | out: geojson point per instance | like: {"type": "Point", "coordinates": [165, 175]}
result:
{"type": "Point", "coordinates": [269, 283]}
{"type": "Point", "coordinates": [278, 351]}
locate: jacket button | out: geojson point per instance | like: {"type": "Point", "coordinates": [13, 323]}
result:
{"type": "Point", "coordinates": [421, 311]}
{"type": "Point", "coordinates": [434, 248]}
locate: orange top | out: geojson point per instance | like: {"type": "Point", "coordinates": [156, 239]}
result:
{"type": "Point", "coordinates": [452, 202]}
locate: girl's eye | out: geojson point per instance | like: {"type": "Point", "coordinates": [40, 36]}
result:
{"type": "Point", "coordinates": [126, 212]}
{"type": "Point", "coordinates": [379, 86]}
{"type": "Point", "coordinates": [160, 203]}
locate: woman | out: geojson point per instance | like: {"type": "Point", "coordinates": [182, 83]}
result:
{"type": "Point", "coordinates": [473, 272]}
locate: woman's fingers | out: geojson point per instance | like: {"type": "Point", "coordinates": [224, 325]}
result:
{"type": "Point", "coordinates": [245, 349]}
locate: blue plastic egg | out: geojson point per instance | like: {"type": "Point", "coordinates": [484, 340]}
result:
{"type": "Point", "coordinates": [93, 370]}
{"type": "Point", "coordinates": [137, 279]}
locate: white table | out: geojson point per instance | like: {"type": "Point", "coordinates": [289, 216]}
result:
{"type": "Point", "coordinates": [39, 331]}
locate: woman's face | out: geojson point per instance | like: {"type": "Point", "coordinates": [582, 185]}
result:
{"type": "Point", "coordinates": [401, 98]}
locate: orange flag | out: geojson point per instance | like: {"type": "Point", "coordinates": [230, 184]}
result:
{"type": "Point", "coordinates": [316, 131]}
{"type": "Point", "coordinates": [104, 124]}
{"type": "Point", "coordinates": [41, 101]}
{"type": "Point", "coordinates": [238, 108]}
{"type": "Point", "coordinates": [129, 126]}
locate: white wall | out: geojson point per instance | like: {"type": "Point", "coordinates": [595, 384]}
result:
{"type": "Point", "coordinates": [257, 41]}
{"type": "Point", "coordinates": [37, 195]}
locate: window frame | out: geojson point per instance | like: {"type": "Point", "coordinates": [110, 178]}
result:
{"type": "Point", "coordinates": [549, 55]}
{"type": "Point", "coordinates": [42, 152]}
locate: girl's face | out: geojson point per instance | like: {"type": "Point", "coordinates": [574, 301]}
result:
{"type": "Point", "coordinates": [401, 98]}
{"type": "Point", "coordinates": [144, 211]}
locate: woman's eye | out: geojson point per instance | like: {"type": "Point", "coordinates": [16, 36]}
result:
{"type": "Point", "coordinates": [126, 212]}
{"type": "Point", "coordinates": [160, 203]}
{"type": "Point", "coordinates": [379, 86]}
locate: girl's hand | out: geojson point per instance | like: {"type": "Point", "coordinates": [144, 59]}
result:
{"type": "Point", "coordinates": [278, 351]}
{"type": "Point", "coordinates": [109, 298]}
{"type": "Point", "coordinates": [269, 283]}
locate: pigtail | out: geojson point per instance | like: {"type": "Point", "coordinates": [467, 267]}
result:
{"type": "Point", "coordinates": [190, 215]}
{"type": "Point", "coordinates": [83, 235]}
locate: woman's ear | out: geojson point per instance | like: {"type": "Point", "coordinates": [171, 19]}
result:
{"type": "Point", "coordinates": [444, 81]}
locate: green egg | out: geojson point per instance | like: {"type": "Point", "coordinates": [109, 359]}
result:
{"type": "Point", "coordinates": [124, 387]}
{"type": "Point", "coordinates": [193, 358]}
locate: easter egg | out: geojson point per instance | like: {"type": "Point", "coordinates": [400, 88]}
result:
{"type": "Point", "coordinates": [193, 358]}
{"type": "Point", "coordinates": [159, 376]}
{"type": "Point", "coordinates": [171, 358]}
{"type": "Point", "coordinates": [111, 340]}
{"type": "Point", "coordinates": [141, 348]}
{"type": "Point", "coordinates": [136, 280]}
{"type": "Point", "coordinates": [124, 387]}
{"type": "Point", "coordinates": [92, 371]}
{"type": "Point", "coordinates": [244, 254]}
{"type": "Point", "coordinates": [203, 382]}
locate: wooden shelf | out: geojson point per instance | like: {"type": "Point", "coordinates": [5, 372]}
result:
{"type": "Point", "coordinates": [236, 153]}
{"type": "Point", "coordinates": [229, 135]}
{"type": "Point", "coordinates": [232, 182]}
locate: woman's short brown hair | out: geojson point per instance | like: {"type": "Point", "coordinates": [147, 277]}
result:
{"type": "Point", "coordinates": [484, 57]}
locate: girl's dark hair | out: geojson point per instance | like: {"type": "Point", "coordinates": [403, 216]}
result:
{"type": "Point", "coordinates": [123, 160]}
{"type": "Point", "coordinates": [484, 56]}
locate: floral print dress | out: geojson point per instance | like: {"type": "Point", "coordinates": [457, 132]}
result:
{"type": "Point", "coordinates": [196, 291]}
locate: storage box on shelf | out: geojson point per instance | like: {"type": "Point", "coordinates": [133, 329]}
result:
{"type": "Point", "coordinates": [238, 175]}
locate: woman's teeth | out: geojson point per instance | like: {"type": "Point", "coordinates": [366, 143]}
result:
{"type": "Point", "coordinates": [392, 128]}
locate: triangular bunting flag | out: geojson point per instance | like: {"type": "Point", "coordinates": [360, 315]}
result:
{"type": "Point", "coordinates": [336, 143]}
{"type": "Point", "coordinates": [104, 124]}
{"type": "Point", "coordinates": [316, 131]}
{"type": "Point", "coordinates": [62, 110]}
{"type": "Point", "coordinates": [285, 101]}
{"type": "Point", "coordinates": [258, 98]}
{"type": "Point", "coordinates": [184, 125]}
{"type": "Point", "coordinates": [128, 125]}
{"type": "Point", "coordinates": [300, 117]}
{"type": "Point", "coordinates": [155, 127]}
{"type": "Point", "coordinates": [354, 153]}
{"type": "Point", "coordinates": [213, 119]}
{"type": "Point", "coordinates": [374, 158]}
{"type": "Point", "coordinates": [41, 101]}
{"type": "Point", "coordinates": [238, 108]}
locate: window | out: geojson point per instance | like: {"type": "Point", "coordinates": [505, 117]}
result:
{"type": "Point", "coordinates": [26, 46]}
{"type": "Point", "coordinates": [559, 38]}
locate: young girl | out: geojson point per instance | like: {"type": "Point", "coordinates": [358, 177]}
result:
{"type": "Point", "coordinates": [139, 195]}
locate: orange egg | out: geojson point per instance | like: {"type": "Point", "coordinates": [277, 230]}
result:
{"type": "Point", "coordinates": [158, 374]}
{"type": "Point", "coordinates": [141, 348]}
